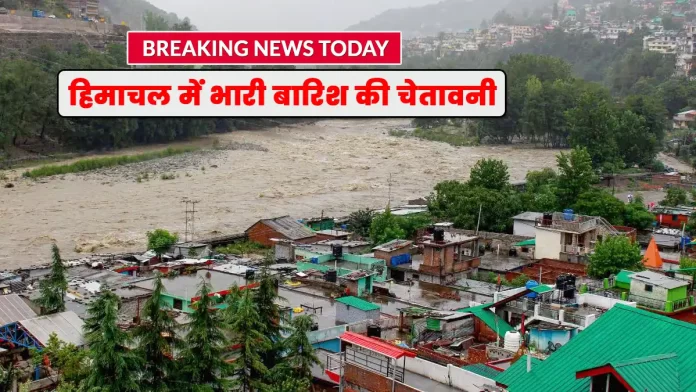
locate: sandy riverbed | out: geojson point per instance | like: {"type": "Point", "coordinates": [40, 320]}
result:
{"type": "Point", "coordinates": [337, 166]}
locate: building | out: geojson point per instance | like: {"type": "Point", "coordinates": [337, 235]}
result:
{"type": "Point", "coordinates": [34, 333]}
{"type": "Point", "coordinates": [13, 308]}
{"type": "Point", "coordinates": [191, 249]}
{"type": "Point", "coordinates": [332, 235]}
{"type": "Point", "coordinates": [88, 8]}
{"type": "Point", "coordinates": [569, 237]}
{"type": "Point", "coordinates": [524, 224]}
{"type": "Point", "coordinates": [352, 309]}
{"type": "Point", "coordinates": [395, 251]}
{"type": "Point", "coordinates": [662, 294]}
{"type": "Point", "coordinates": [673, 217]}
{"type": "Point", "coordinates": [358, 282]}
{"type": "Point", "coordinates": [180, 292]}
{"type": "Point", "coordinates": [284, 227]}
{"type": "Point", "coordinates": [684, 120]}
{"type": "Point", "coordinates": [322, 223]}
{"type": "Point", "coordinates": [571, 16]}
{"type": "Point", "coordinates": [448, 257]}
{"type": "Point", "coordinates": [661, 43]}
{"type": "Point", "coordinates": [347, 247]}
{"type": "Point", "coordinates": [628, 349]}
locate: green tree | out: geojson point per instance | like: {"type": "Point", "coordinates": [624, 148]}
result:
{"type": "Point", "coordinates": [160, 241]}
{"type": "Point", "coordinates": [637, 216]}
{"type": "Point", "coordinates": [592, 125]}
{"type": "Point", "coordinates": [202, 360]}
{"type": "Point", "coordinates": [575, 175]}
{"type": "Point", "coordinates": [184, 25]}
{"type": "Point", "coordinates": [614, 254]}
{"type": "Point", "coordinates": [157, 338]}
{"type": "Point", "coordinates": [536, 180]}
{"type": "Point", "coordinates": [489, 174]}
{"type": "Point", "coordinates": [67, 360]}
{"type": "Point", "coordinates": [638, 145]}
{"type": "Point", "coordinates": [533, 114]}
{"type": "Point", "coordinates": [53, 288]}
{"type": "Point", "coordinates": [687, 262]}
{"type": "Point", "coordinates": [300, 353]}
{"type": "Point", "coordinates": [385, 227]}
{"type": "Point", "coordinates": [266, 300]}
{"type": "Point", "coordinates": [154, 22]}
{"type": "Point", "coordinates": [113, 366]}
{"type": "Point", "coordinates": [598, 202]}
{"type": "Point", "coordinates": [675, 197]}
{"type": "Point", "coordinates": [359, 222]}
{"type": "Point", "coordinates": [246, 328]}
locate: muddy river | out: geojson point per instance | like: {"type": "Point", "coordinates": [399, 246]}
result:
{"type": "Point", "coordinates": [336, 166]}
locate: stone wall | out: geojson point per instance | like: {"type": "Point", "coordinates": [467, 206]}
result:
{"type": "Point", "coordinates": [494, 239]}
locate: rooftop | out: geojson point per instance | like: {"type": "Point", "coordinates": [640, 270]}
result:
{"type": "Point", "coordinates": [658, 279]}
{"type": "Point", "coordinates": [334, 233]}
{"type": "Point", "coordinates": [528, 216]}
{"type": "Point", "coordinates": [622, 334]}
{"type": "Point", "coordinates": [289, 227]}
{"type": "Point", "coordinates": [186, 286]}
{"type": "Point", "coordinates": [13, 308]}
{"type": "Point", "coordinates": [358, 303]}
{"type": "Point", "coordinates": [378, 346]}
{"type": "Point", "coordinates": [450, 238]}
{"type": "Point", "coordinates": [393, 245]}
{"type": "Point", "coordinates": [66, 325]}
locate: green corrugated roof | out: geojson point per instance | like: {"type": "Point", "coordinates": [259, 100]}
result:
{"type": "Point", "coordinates": [516, 370]}
{"type": "Point", "coordinates": [482, 370]}
{"type": "Point", "coordinates": [623, 333]}
{"type": "Point", "coordinates": [541, 289]}
{"type": "Point", "coordinates": [624, 276]}
{"type": "Point", "coordinates": [531, 242]}
{"type": "Point", "coordinates": [358, 303]}
{"type": "Point", "coordinates": [493, 322]}
{"type": "Point", "coordinates": [642, 373]}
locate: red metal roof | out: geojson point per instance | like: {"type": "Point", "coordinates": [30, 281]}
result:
{"type": "Point", "coordinates": [375, 345]}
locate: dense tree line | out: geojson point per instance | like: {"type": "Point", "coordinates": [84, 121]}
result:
{"type": "Point", "coordinates": [248, 345]}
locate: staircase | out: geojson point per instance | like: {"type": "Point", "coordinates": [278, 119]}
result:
{"type": "Point", "coordinates": [607, 227]}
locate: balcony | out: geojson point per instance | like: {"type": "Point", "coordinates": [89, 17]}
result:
{"type": "Point", "coordinates": [576, 250]}
{"type": "Point", "coordinates": [576, 223]}
{"type": "Point", "coordinates": [662, 306]}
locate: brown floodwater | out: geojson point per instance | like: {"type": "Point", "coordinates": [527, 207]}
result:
{"type": "Point", "coordinates": [334, 166]}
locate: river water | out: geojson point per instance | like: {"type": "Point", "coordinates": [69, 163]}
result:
{"type": "Point", "coordinates": [336, 166]}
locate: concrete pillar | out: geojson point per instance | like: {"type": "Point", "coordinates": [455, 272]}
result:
{"type": "Point", "coordinates": [537, 308]}
{"type": "Point", "coordinates": [561, 315]}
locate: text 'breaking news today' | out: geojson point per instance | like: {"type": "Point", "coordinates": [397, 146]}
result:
{"type": "Point", "coordinates": [281, 93]}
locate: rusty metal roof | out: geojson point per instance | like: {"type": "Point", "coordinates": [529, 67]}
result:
{"type": "Point", "coordinates": [289, 227]}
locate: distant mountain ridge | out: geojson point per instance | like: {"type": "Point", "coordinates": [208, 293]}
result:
{"type": "Point", "coordinates": [447, 15]}
{"type": "Point", "coordinates": [132, 12]}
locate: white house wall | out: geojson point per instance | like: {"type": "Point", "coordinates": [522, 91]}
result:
{"type": "Point", "coordinates": [548, 244]}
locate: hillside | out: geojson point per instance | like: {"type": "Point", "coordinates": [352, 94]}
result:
{"type": "Point", "coordinates": [132, 11]}
{"type": "Point", "coordinates": [447, 15]}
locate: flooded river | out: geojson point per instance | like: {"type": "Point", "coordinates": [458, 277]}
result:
{"type": "Point", "coordinates": [336, 166]}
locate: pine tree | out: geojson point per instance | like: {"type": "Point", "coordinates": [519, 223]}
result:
{"type": "Point", "coordinates": [113, 366]}
{"type": "Point", "coordinates": [202, 358]}
{"type": "Point", "coordinates": [53, 288]}
{"type": "Point", "coordinates": [246, 328]}
{"type": "Point", "coordinates": [300, 353]}
{"type": "Point", "coordinates": [157, 336]}
{"type": "Point", "coordinates": [265, 298]}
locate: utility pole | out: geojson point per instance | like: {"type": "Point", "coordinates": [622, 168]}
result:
{"type": "Point", "coordinates": [190, 218]}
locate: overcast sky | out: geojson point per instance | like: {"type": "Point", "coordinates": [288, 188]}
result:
{"type": "Point", "coordinates": [277, 15]}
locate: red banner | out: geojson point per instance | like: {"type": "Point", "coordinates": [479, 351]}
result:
{"type": "Point", "coordinates": [263, 48]}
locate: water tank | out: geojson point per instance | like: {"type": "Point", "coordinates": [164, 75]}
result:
{"type": "Point", "coordinates": [337, 251]}
{"type": "Point", "coordinates": [374, 331]}
{"type": "Point", "coordinates": [570, 280]}
{"type": "Point", "coordinates": [568, 214]}
{"type": "Point", "coordinates": [530, 285]}
{"type": "Point", "coordinates": [560, 282]}
{"type": "Point", "coordinates": [438, 235]}
{"type": "Point", "coordinates": [512, 340]}
{"type": "Point", "coordinates": [331, 276]}
{"type": "Point", "coordinates": [569, 292]}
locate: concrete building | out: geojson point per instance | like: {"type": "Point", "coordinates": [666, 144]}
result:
{"type": "Point", "coordinates": [684, 120]}
{"type": "Point", "coordinates": [191, 249]}
{"type": "Point", "coordinates": [524, 224]}
{"type": "Point", "coordinates": [352, 309]}
{"type": "Point", "coordinates": [448, 257]}
{"type": "Point", "coordinates": [283, 227]}
{"type": "Point", "coordinates": [393, 249]}
{"type": "Point", "coordinates": [569, 237]}
{"type": "Point", "coordinates": [665, 43]}
{"type": "Point", "coordinates": [657, 292]}
{"type": "Point", "coordinates": [88, 8]}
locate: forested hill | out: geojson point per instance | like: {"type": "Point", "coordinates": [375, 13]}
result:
{"type": "Point", "coordinates": [447, 15]}
{"type": "Point", "coordinates": [132, 12]}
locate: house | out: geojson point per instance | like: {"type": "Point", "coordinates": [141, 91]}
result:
{"type": "Point", "coordinates": [395, 251]}
{"type": "Point", "coordinates": [283, 227]}
{"type": "Point", "coordinates": [448, 257]}
{"type": "Point", "coordinates": [35, 332]}
{"type": "Point", "coordinates": [191, 249]}
{"type": "Point", "coordinates": [571, 15]}
{"type": "Point", "coordinates": [660, 293]}
{"type": "Point", "coordinates": [569, 237]}
{"type": "Point", "coordinates": [322, 223]}
{"type": "Point", "coordinates": [352, 309]}
{"type": "Point", "coordinates": [180, 292]}
{"type": "Point", "coordinates": [620, 349]}
{"type": "Point", "coordinates": [524, 224]}
{"type": "Point", "coordinates": [674, 217]}
{"type": "Point", "coordinates": [684, 120]}
{"type": "Point", "coordinates": [358, 282]}
{"type": "Point", "coordinates": [332, 235]}
{"type": "Point", "coordinates": [347, 247]}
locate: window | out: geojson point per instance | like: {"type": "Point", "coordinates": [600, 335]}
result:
{"type": "Point", "coordinates": [648, 288]}
{"type": "Point", "coordinates": [178, 304]}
